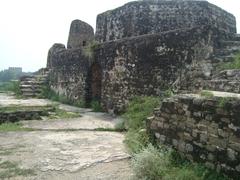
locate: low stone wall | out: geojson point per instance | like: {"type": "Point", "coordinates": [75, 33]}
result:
{"type": "Point", "coordinates": [6, 117]}
{"type": "Point", "coordinates": [205, 130]}
{"type": "Point", "coordinates": [227, 81]}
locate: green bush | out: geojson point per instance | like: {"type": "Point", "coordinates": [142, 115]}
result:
{"type": "Point", "coordinates": [151, 164]}
{"type": "Point", "coordinates": [136, 140]}
{"type": "Point", "coordinates": [207, 94]}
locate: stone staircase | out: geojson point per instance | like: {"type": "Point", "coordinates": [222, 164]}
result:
{"type": "Point", "coordinates": [226, 80]}
{"type": "Point", "coordinates": [31, 86]}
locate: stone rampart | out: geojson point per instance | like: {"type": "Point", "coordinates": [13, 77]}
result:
{"type": "Point", "coordinates": [151, 64]}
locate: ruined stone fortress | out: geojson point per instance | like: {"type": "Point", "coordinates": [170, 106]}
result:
{"type": "Point", "coordinates": [142, 48]}
{"type": "Point", "coordinates": [150, 46]}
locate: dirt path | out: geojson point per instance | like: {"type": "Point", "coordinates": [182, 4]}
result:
{"type": "Point", "coordinates": [65, 149]}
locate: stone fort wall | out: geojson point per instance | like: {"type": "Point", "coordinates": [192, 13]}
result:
{"type": "Point", "coordinates": [149, 17]}
{"type": "Point", "coordinates": [151, 64]}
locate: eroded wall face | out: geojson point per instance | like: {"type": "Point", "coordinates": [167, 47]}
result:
{"type": "Point", "coordinates": [139, 18]}
{"type": "Point", "coordinates": [202, 129]}
{"type": "Point", "coordinates": [151, 64]}
{"type": "Point", "coordinates": [68, 73]}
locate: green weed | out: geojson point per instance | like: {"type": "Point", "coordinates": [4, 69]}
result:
{"type": "Point", "coordinates": [96, 106]}
{"type": "Point", "coordinates": [158, 163]}
{"type": "Point", "coordinates": [207, 94]}
{"type": "Point", "coordinates": [138, 110]}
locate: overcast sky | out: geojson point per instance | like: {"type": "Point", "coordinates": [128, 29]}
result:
{"type": "Point", "coordinates": [28, 28]}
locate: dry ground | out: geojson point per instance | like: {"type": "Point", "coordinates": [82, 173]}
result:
{"type": "Point", "coordinates": [64, 148]}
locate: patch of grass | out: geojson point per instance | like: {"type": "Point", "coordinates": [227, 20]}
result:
{"type": "Point", "coordinates": [138, 110]}
{"type": "Point", "coordinates": [231, 65]}
{"type": "Point", "coordinates": [59, 113]}
{"type": "Point", "coordinates": [135, 120]}
{"type": "Point", "coordinates": [154, 163]}
{"type": "Point", "coordinates": [207, 94]}
{"type": "Point", "coordinates": [48, 93]}
{"type": "Point", "coordinates": [96, 106]}
{"type": "Point", "coordinates": [168, 93]}
{"type": "Point", "coordinates": [6, 127]}
{"type": "Point", "coordinates": [11, 169]}
{"type": "Point", "coordinates": [16, 108]}
{"type": "Point", "coordinates": [136, 140]}
{"type": "Point", "coordinates": [12, 86]}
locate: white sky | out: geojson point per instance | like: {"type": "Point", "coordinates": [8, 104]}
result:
{"type": "Point", "coordinates": [28, 28]}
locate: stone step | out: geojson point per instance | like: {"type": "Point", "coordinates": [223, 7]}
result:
{"type": "Point", "coordinates": [226, 52]}
{"type": "Point", "coordinates": [230, 74]}
{"type": "Point", "coordinates": [232, 86]}
{"type": "Point", "coordinates": [31, 90]}
{"type": "Point", "coordinates": [25, 85]}
{"type": "Point", "coordinates": [224, 94]}
{"type": "Point", "coordinates": [28, 79]}
{"type": "Point", "coordinates": [29, 94]}
{"type": "Point", "coordinates": [230, 43]}
{"type": "Point", "coordinates": [32, 83]}
{"type": "Point", "coordinates": [237, 37]}
{"type": "Point", "coordinates": [31, 87]}
{"type": "Point", "coordinates": [221, 59]}
{"type": "Point", "coordinates": [28, 91]}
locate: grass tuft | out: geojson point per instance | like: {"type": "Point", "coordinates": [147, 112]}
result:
{"type": "Point", "coordinates": [138, 110]}
{"type": "Point", "coordinates": [48, 93]}
{"type": "Point", "coordinates": [6, 127]}
{"type": "Point", "coordinates": [12, 86]}
{"type": "Point", "coordinates": [207, 94]}
{"type": "Point", "coordinates": [11, 169]}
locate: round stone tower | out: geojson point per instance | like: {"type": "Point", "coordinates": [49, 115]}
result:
{"type": "Point", "coordinates": [80, 34]}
